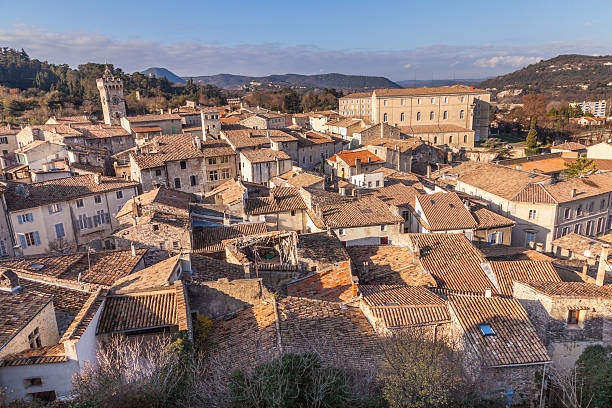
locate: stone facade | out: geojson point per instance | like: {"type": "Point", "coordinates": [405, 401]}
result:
{"type": "Point", "coordinates": [217, 298]}
{"type": "Point", "coordinates": [111, 96]}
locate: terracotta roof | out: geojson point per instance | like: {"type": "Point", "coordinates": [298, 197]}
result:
{"type": "Point", "coordinates": [397, 306]}
{"type": "Point", "coordinates": [65, 299]}
{"type": "Point", "coordinates": [571, 289]}
{"type": "Point", "coordinates": [206, 269]}
{"type": "Point", "coordinates": [262, 155]}
{"type": "Point", "coordinates": [387, 264]}
{"type": "Point", "coordinates": [145, 129]}
{"type": "Point", "coordinates": [33, 145]}
{"type": "Point", "coordinates": [9, 130]}
{"type": "Point", "coordinates": [42, 355]}
{"type": "Point", "coordinates": [334, 284]}
{"type": "Point", "coordinates": [358, 95]}
{"type": "Point", "coordinates": [445, 211]}
{"type": "Point", "coordinates": [216, 148]}
{"type": "Point", "coordinates": [61, 190]}
{"type": "Point", "coordinates": [232, 191]}
{"type": "Point", "coordinates": [506, 272]}
{"type": "Point", "coordinates": [514, 341]}
{"type": "Point", "coordinates": [350, 157]}
{"type": "Point", "coordinates": [364, 211]}
{"type": "Point", "coordinates": [561, 192]}
{"type": "Point", "coordinates": [486, 176]}
{"type": "Point", "coordinates": [314, 138]}
{"type": "Point", "coordinates": [16, 311]}
{"type": "Point", "coordinates": [85, 316]}
{"type": "Point", "coordinates": [101, 131]}
{"type": "Point", "coordinates": [301, 178]}
{"type": "Point", "coordinates": [453, 261]}
{"type": "Point", "coordinates": [242, 138]}
{"type": "Point", "coordinates": [449, 89]}
{"type": "Point", "coordinates": [398, 194]}
{"type": "Point", "coordinates": [420, 129]}
{"type": "Point", "coordinates": [167, 148]}
{"type": "Point", "coordinates": [579, 244]}
{"type": "Point", "coordinates": [210, 239]}
{"type": "Point", "coordinates": [486, 218]}
{"type": "Point", "coordinates": [402, 144]}
{"type": "Point", "coordinates": [140, 311]}
{"type": "Point", "coordinates": [174, 199]}
{"type": "Point", "coordinates": [152, 117]}
{"type": "Point", "coordinates": [321, 247]}
{"type": "Point", "coordinates": [153, 277]}
{"type": "Point", "coordinates": [571, 146]}
{"type": "Point", "coordinates": [281, 199]}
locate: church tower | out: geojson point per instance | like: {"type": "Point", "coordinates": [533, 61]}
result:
{"type": "Point", "coordinates": [111, 96]}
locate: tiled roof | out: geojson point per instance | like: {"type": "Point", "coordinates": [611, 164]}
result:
{"type": "Point", "coordinates": [534, 193]}
{"type": "Point", "coordinates": [445, 211]}
{"type": "Point", "coordinates": [397, 306]}
{"type": "Point", "coordinates": [174, 199]}
{"type": "Point", "coordinates": [572, 146]}
{"type": "Point", "coordinates": [365, 211]}
{"type": "Point", "coordinates": [216, 148]}
{"type": "Point", "coordinates": [515, 340]}
{"type": "Point", "coordinates": [65, 299]}
{"type": "Point", "coordinates": [347, 122]}
{"type": "Point", "coordinates": [281, 199]}
{"type": "Point", "coordinates": [561, 192]}
{"type": "Point", "coordinates": [506, 272]}
{"type": "Point", "coordinates": [579, 244]}
{"type": "Point", "coordinates": [206, 269]}
{"type": "Point", "coordinates": [334, 284]}
{"type": "Point", "coordinates": [61, 190]}
{"type": "Point", "coordinates": [358, 95]}
{"type": "Point", "coordinates": [571, 289]}
{"type": "Point", "coordinates": [152, 117]}
{"type": "Point", "coordinates": [449, 89]}
{"type": "Point", "coordinates": [453, 261]}
{"type": "Point", "coordinates": [402, 144]}
{"type": "Point", "coordinates": [42, 355]}
{"type": "Point", "coordinates": [208, 240]}
{"type": "Point", "coordinates": [420, 129]}
{"type": "Point", "coordinates": [242, 138]}
{"type": "Point", "coordinates": [389, 265]}
{"type": "Point", "coordinates": [101, 131]}
{"type": "Point", "coordinates": [261, 155]}
{"type": "Point", "coordinates": [486, 176]}
{"type": "Point", "coordinates": [398, 194]}
{"type": "Point", "coordinates": [487, 218]}
{"type": "Point", "coordinates": [145, 129]}
{"type": "Point", "coordinates": [321, 247]}
{"type": "Point", "coordinates": [314, 138]}
{"type": "Point", "coordinates": [350, 157]}
{"type": "Point", "coordinates": [33, 145]}
{"type": "Point", "coordinates": [139, 311]}
{"type": "Point", "coordinates": [155, 276]}
{"type": "Point", "coordinates": [169, 148]}
{"type": "Point", "coordinates": [301, 178]}
{"type": "Point", "coordinates": [85, 316]}
{"type": "Point", "coordinates": [16, 311]}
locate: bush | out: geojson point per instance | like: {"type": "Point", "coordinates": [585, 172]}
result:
{"type": "Point", "coordinates": [595, 367]}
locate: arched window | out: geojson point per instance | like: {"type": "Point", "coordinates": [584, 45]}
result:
{"type": "Point", "coordinates": [418, 101]}
{"type": "Point", "coordinates": [385, 117]}
{"type": "Point", "coordinates": [418, 115]}
{"type": "Point", "coordinates": [402, 117]}
{"type": "Point", "coordinates": [450, 139]}
{"type": "Point", "coordinates": [433, 101]}
{"type": "Point", "coordinates": [445, 115]}
{"type": "Point", "coordinates": [464, 138]}
{"type": "Point", "coordinates": [431, 115]}
{"type": "Point", "coordinates": [461, 114]}
{"type": "Point", "coordinates": [435, 139]}
{"type": "Point", "coordinates": [446, 99]}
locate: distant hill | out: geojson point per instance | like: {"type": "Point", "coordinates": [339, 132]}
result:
{"type": "Point", "coordinates": [420, 83]}
{"type": "Point", "coordinates": [338, 81]}
{"type": "Point", "coordinates": [565, 77]}
{"type": "Point", "coordinates": [163, 72]}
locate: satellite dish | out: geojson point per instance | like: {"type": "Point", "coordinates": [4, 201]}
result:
{"type": "Point", "coordinates": [587, 253]}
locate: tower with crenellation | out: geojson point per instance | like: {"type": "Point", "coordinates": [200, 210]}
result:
{"type": "Point", "coordinates": [111, 96]}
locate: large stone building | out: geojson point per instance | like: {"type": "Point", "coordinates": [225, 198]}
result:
{"type": "Point", "coordinates": [456, 109]}
{"type": "Point", "coordinates": [111, 95]}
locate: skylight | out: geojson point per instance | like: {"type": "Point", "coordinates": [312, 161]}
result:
{"type": "Point", "coordinates": [486, 330]}
{"type": "Point", "coordinates": [391, 303]}
{"type": "Point", "coordinates": [37, 266]}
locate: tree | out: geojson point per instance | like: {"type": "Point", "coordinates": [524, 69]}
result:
{"type": "Point", "coordinates": [580, 168]}
{"type": "Point", "coordinates": [498, 146]}
{"type": "Point", "coordinates": [535, 105]}
{"type": "Point", "coordinates": [532, 137]}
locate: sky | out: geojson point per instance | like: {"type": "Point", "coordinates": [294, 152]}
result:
{"type": "Point", "coordinates": [401, 40]}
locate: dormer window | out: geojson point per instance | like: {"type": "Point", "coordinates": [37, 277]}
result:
{"type": "Point", "coordinates": [486, 329]}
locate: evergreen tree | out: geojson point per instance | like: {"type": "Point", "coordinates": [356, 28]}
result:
{"type": "Point", "coordinates": [581, 167]}
{"type": "Point", "coordinates": [532, 137]}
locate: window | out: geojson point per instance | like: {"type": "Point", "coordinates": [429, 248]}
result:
{"type": "Point", "coordinates": [450, 139]}
{"type": "Point", "coordinates": [402, 117]}
{"type": "Point", "coordinates": [385, 117]}
{"type": "Point", "coordinates": [579, 211]}
{"type": "Point", "coordinates": [486, 329]}
{"type": "Point", "coordinates": [589, 228]}
{"type": "Point", "coordinates": [600, 225]}
{"type": "Point", "coordinates": [59, 230]}
{"type": "Point", "coordinates": [213, 175]}
{"type": "Point", "coordinates": [162, 246]}
{"type": "Point", "coordinates": [602, 205]}
{"type": "Point", "coordinates": [34, 339]}
{"type": "Point", "coordinates": [342, 231]}
{"type": "Point", "coordinates": [462, 99]}
{"type": "Point", "coordinates": [155, 227]}
{"type": "Point", "coordinates": [33, 382]}
{"type": "Point", "coordinates": [578, 229]}
{"type": "Point", "coordinates": [446, 99]}
{"type": "Point", "coordinates": [431, 115]}
{"type": "Point", "coordinates": [591, 205]}
{"type": "Point", "coordinates": [461, 114]}
{"type": "Point", "coordinates": [383, 227]}
{"type": "Point", "coordinates": [418, 115]}
{"type": "Point", "coordinates": [464, 138]}
{"type": "Point", "coordinates": [183, 165]}
{"type": "Point", "coordinates": [29, 217]}
{"type": "Point", "coordinates": [97, 199]}
{"type": "Point", "coordinates": [530, 237]}
{"type": "Point", "coordinates": [84, 222]}
{"type": "Point", "coordinates": [224, 159]}
{"type": "Point", "coordinates": [567, 213]}
{"type": "Point", "coordinates": [193, 180]}
{"type": "Point", "coordinates": [573, 317]}
{"type": "Point", "coordinates": [433, 101]}
{"type": "Point", "coordinates": [119, 195]}
{"type": "Point", "coordinates": [385, 102]}
{"type": "Point", "coordinates": [4, 140]}
{"type": "Point", "coordinates": [500, 237]}
{"type": "Point", "coordinates": [293, 213]}
{"type": "Point", "coordinates": [99, 218]}
{"type": "Point", "coordinates": [533, 214]}
{"type": "Point", "coordinates": [402, 102]}
{"type": "Point", "coordinates": [212, 160]}
{"type": "Point", "coordinates": [175, 244]}
{"type": "Point", "coordinates": [445, 115]}
{"type": "Point", "coordinates": [564, 231]}
{"type": "Point", "coordinates": [418, 101]}
{"type": "Point", "coordinates": [177, 183]}
{"type": "Point", "coordinates": [377, 183]}
{"type": "Point", "coordinates": [158, 172]}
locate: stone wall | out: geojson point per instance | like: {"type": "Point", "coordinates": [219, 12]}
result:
{"type": "Point", "coordinates": [217, 298]}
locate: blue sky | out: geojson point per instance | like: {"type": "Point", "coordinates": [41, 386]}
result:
{"type": "Point", "coordinates": [397, 39]}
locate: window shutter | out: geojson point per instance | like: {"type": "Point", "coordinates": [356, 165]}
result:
{"type": "Point", "coordinates": [107, 217]}
{"type": "Point", "coordinates": [20, 219]}
{"type": "Point", "coordinates": [89, 222]}
{"type": "Point", "coordinates": [96, 220]}
{"type": "Point", "coordinates": [50, 209]}
{"type": "Point", "coordinates": [36, 238]}
{"type": "Point", "coordinates": [22, 239]}
{"type": "Point", "coordinates": [59, 207]}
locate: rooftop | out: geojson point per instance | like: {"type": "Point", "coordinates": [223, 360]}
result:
{"type": "Point", "coordinates": [17, 310]}
{"type": "Point", "coordinates": [506, 272]}
{"type": "Point", "coordinates": [321, 247]}
{"type": "Point", "coordinates": [350, 157]}
{"type": "Point", "coordinates": [262, 155]}
{"type": "Point", "coordinates": [163, 196]}
{"type": "Point", "coordinates": [420, 129]}
{"type": "Point", "coordinates": [208, 240]}
{"type": "Point", "coordinates": [571, 289]}
{"type": "Point", "coordinates": [450, 89]}
{"type": "Point", "coordinates": [445, 211]}
{"type": "Point", "coordinates": [567, 190]}
{"type": "Point", "coordinates": [364, 211]}
{"type": "Point", "coordinates": [242, 138]}
{"type": "Point", "coordinates": [281, 199]}
{"type": "Point", "coordinates": [152, 117]}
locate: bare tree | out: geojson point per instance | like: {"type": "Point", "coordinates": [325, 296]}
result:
{"type": "Point", "coordinates": [568, 388]}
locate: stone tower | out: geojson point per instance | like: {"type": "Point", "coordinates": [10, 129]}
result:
{"type": "Point", "coordinates": [211, 124]}
{"type": "Point", "coordinates": [111, 96]}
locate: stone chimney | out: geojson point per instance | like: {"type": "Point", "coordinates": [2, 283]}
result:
{"type": "Point", "coordinates": [428, 170]}
{"type": "Point", "coordinates": [603, 264]}
{"type": "Point", "coordinates": [247, 270]}
{"type": "Point", "coordinates": [416, 254]}
{"type": "Point", "coordinates": [357, 166]}
{"type": "Point", "coordinates": [539, 247]}
{"type": "Point", "coordinates": [9, 282]}
{"type": "Point", "coordinates": [487, 292]}
{"type": "Point", "coordinates": [133, 249]}
{"type": "Point", "coordinates": [574, 191]}
{"type": "Point", "coordinates": [97, 178]}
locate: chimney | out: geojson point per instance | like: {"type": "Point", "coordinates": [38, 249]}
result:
{"type": "Point", "coordinates": [574, 191]}
{"type": "Point", "coordinates": [9, 282]}
{"type": "Point", "coordinates": [365, 268]}
{"type": "Point", "coordinates": [416, 254]}
{"type": "Point", "coordinates": [382, 131]}
{"type": "Point", "coordinates": [585, 271]}
{"type": "Point", "coordinates": [197, 142]}
{"type": "Point", "coordinates": [487, 292]}
{"type": "Point", "coordinates": [603, 263]}
{"type": "Point", "coordinates": [133, 249]}
{"type": "Point", "coordinates": [357, 166]}
{"type": "Point", "coordinates": [428, 170]}
{"type": "Point", "coordinates": [539, 247]}
{"type": "Point", "coordinates": [97, 178]}
{"type": "Point", "coordinates": [397, 152]}
{"type": "Point", "coordinates": [247, 270]}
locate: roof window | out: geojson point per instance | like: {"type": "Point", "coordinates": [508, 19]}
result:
{"type": "Point", "coordinates": [38, 267]}
{"type": "Point", "coordinates": [486, 330]}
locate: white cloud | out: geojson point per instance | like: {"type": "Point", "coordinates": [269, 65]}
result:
{"type": "Point", "coordinates": [193, 58]}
